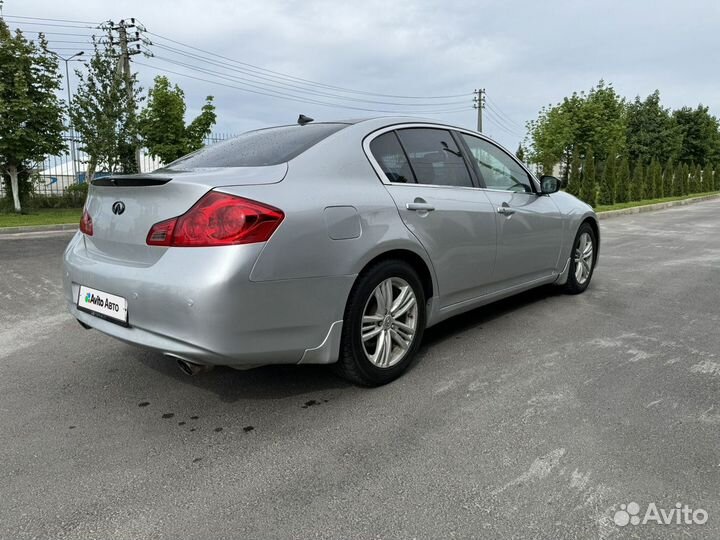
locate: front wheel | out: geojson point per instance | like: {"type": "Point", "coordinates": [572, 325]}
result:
{"type": "Point", "coordinates": [582, 264]}
{"type": "Point", "coordinates": [383, 325]}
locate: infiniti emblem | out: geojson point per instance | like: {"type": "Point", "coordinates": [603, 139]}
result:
{"type": "Point", "coordinates": [118, 207]}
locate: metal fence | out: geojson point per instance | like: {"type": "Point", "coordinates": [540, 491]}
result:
{"type": "Point", "coordinates": [56, 173]}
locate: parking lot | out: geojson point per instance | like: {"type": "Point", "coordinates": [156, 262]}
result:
{"type": "Point", "coordinates": [535, 417]}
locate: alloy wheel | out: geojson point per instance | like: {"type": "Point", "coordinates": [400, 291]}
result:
{"type": "Point", "coordinates": [389, 322]}
{"type": "Point", "coordinates": [583, 258]}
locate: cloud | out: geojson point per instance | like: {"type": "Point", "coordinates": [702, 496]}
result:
{"type": "Point", "coordinates": [526, 54]}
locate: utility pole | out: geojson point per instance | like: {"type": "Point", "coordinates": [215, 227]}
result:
{"type": "Point", "coordinates": [479, 104]}
{"type": "Point", "coordinates": [73, 153]}
{"type": "Point", "coordinates": [124, 66]}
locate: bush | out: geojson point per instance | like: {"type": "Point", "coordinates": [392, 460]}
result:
{"type": "Point", "coordinates": [76, 194]}
{"type": "Point", "coordinates": [73, 197]}
{"type": "Point", "coordinates": [6, 205]}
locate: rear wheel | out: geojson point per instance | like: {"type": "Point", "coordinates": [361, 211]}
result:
{"type": "Point", "coordinates": [383, 325]}
{"type": "Point", "coordinates": [582, 263]}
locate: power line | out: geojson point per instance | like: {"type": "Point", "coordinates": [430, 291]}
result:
{"type": "Point", "coordinates": [50, 24]}
{"type": "Point", "coordinates": [497, 110]}
{"type": "Point", "coordinates": [498, 123]}
{"type": "Point", "coordinates": [294, 86]}
{"type": "Point", "coordinates": [52, 20]}
{"type": "Point", "coordinates": [65, 48]}
{"type": "Point", "coordinates": [270, 75]}
{"type": "Point", "coordinates": [255, 79]}
{"type": "Point", "coordinates": [495, 121]}
{"type": "Point", "coordinates": [73, 42]}
{"type": "Point", "coordinates": [262, 85]}
{"type": "Point", "coordinates": [58, 33]}
{"type": "Point", "coordinates": [496, 118]}
{"type": "Point", "coordinates": [300, 79]}
{"type": "Point", "coordinates": [299, 100]}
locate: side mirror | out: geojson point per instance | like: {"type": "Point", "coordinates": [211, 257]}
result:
{"type": "Point", "coordinates": [549, 184]}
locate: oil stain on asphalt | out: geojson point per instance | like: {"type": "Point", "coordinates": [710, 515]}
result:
{"type": "Point", "coordinates": [313, 402]}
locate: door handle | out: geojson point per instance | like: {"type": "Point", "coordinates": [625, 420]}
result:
{"type": "Point", "coordinates": [505, 210]}
{"type": "Point", "coordinates": [422, 207]}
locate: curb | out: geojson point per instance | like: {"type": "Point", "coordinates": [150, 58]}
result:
{"type": "Point", "coordinates": [652, 207]}
{"type": "Point", "coordinates": [38, 228]}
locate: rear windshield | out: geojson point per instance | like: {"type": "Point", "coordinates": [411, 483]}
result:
{"type": "Point", "coordinates": [270, 146]}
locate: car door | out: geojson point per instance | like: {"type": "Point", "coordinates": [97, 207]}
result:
{"type": "Point", "coordinates": [529, 225]}
{"type": "Point", "coordinates": [431, 183]}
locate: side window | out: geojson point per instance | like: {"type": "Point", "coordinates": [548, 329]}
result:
{"type": "Point", "coordinates": [389, 154]}
{"type": "Point", "coordinates": [497, 169]}
{"type": "Point", "coordinates": [434, 156]}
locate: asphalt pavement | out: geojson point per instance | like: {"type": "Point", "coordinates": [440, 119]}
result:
{"type": "Point", "coordinates": [535, 417]}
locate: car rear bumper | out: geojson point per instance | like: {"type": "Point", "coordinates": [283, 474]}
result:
{"type": "Point", "coordinates": [200, 305]}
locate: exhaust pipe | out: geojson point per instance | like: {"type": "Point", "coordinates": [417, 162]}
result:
{"type": "Point", "coordinates": [191, 369]}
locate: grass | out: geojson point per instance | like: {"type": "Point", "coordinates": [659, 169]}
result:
{"type": "Point", "coordinates": [620, 206]}
{"type": "Point", "coordinates": [43, 216]}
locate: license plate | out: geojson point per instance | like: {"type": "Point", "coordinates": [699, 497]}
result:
{"type": "Point", "coordinates": [102, 304]}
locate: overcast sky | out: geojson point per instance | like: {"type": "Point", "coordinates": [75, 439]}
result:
{"type": "Point", "coordinates": [525, 54]}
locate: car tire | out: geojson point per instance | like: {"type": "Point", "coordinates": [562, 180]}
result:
{"type": "Point", "coordinates": [371, 323]}
{"type": "Point", "coordinates": [582, 262]}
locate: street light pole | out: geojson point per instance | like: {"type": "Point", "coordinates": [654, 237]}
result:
{"type": "Point", "coordinates": [73, 156]}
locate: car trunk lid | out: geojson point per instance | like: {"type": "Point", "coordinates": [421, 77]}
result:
{"type": "Point", "coordinates": [124, 208]}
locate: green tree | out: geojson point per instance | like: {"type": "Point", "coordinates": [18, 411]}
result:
{"type": "Point", "coordinates": [653, 182]}
{"type": "Point", "coordinates": [696, 176]}
{"type": "Point", "coordinates": [652, 131]}
{"type": "Point", "coordinates": [102, 112]}
{"type": "Point", "coordinates": [588, 186]}
{"type": "Point", "coordinates": [707, 178]}
{"type": "Point", "coordinates": [678, 180]}
{"type": "Point", "coordinates": [648, 188]}
{"type": "Point", "coordinates": [520, 153]}
{"type": "Point", "coordinates": [31, 114]}
{"type": "Point", "coordinates": [595, 119]}
{"type": "Point", "coordinates": [690, 185]}
{"type": "Point", "coordinates": [700, 135]}
{"type": "Point", "coordinates": [162, 123]}
{"type": "Point", "coordinates": [685, 179]}
{"type": "Point", "coordinates": [637, 193]}
{"type": "Point", "coordinates": [574, 179]}
{"type": "Point", "coordinates": [622, 181]}
{"type": "Point", "coordinates": [667, 179]}
{"type": "Point", "coordinates": [606, 193]}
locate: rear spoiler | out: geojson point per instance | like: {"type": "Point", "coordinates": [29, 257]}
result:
{"type": "Point", "coordinates": [131, 180]}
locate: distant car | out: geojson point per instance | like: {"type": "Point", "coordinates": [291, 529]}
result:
{"type": "Point", "coordinates": [325, 243]}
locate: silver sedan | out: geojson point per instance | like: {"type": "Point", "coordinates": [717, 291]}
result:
{"type": "Point", "coordinates": [323, 243]}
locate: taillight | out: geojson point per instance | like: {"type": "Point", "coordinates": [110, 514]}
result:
{"type": "Point", "coordinates": [218, 219]}
{"type": "Point", "coordinates": [86, 225]}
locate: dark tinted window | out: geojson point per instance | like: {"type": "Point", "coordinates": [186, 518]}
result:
{"type": "Point", "coordinates": [497, 169]}
{"type": "Point", "coordinates": [389, 154]}
{"type": "Point", "coordinates": [257, 148]}
{"type": "Point", "coordinates": [434, 156]}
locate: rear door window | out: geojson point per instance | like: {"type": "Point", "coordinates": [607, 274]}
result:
{"type": "Point", "coordinates": [434, 157]}
{"type": "Point", "coordinates": [259, 148]}
{"type": "Point", "coordinates": [390, 156]}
